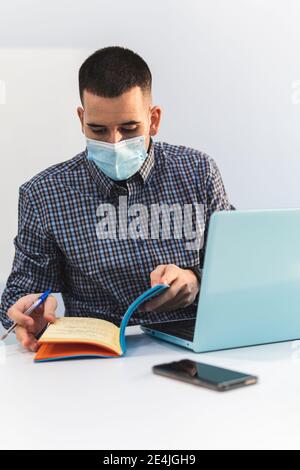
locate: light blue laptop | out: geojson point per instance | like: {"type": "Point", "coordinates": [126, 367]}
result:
{"type": "Point", "coordinates": [250, 290]}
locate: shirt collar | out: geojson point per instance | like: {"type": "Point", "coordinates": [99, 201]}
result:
{"type": "Point", "coordinates": [106, 184]}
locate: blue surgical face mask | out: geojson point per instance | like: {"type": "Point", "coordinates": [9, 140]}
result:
{"type": "Point", "coordinates": [118, 161]}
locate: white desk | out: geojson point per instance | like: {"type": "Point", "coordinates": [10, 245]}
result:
{"type": "Point", "coordinates": [121, 404]}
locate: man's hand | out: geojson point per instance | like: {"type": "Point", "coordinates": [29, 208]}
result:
{"type": "Point", "coordinates": [184, 286]}
{"type": "Point", "coordinates": [30, 325]}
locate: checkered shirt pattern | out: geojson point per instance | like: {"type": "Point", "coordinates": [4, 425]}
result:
{"type": "Point", "coordinates": [57, 246]}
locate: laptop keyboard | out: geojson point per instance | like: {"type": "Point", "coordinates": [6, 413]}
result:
{"type": "Point", "coordinates": [183, 329]}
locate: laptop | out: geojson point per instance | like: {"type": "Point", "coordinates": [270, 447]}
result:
{"type": "Point", "coordinates": [250, 289]}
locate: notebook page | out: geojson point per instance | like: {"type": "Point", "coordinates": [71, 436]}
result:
{"type": "Point", "coordinates": [83, 330]}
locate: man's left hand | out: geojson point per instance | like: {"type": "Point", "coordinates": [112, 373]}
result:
{"type": "Point", "coordinates": [184, 286]}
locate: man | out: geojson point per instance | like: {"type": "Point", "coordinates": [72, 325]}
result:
{"type": "Point", "coordinates": [71, 237]}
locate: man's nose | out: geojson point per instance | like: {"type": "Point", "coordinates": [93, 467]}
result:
{"type": "Point", "coordinates": [115, 137]}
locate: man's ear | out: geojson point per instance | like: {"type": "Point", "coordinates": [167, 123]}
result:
{"type": "Point", "coordinates": [80, 113]}
{"type": "Point", "coordinates": [156, 112]}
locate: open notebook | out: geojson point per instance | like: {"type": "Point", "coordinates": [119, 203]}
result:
{"type": "Point", "coordinates": [75, 337]}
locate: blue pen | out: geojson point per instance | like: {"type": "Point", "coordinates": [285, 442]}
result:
{"type": "Point", "coordinates": [35, 305]}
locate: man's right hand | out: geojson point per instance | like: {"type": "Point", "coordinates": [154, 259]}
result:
{"type": "Point", "coordinates": [31, 325]}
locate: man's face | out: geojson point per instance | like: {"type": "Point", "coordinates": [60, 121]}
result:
{"type": "Point", "coordinates": [115, 119]}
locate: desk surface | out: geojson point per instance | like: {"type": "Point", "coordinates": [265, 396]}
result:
{"type": "Point", "coordinates": [121, 404]}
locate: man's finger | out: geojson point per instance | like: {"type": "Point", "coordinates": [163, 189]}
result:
{"type": "Point", "coordinates": [19, 317]}
{"type": "Point", "coordinates": [170, 275]}
{"type": "Point", "coordinates": [16, 311]}
{"type": "Point", "coordinates": [26, 339]}
{"type": "Point", "coordinates": [157, 273]}
{"type": "Point", "coordinates": [50, 306]}
{"type": "Point", "coordinates": [163, 299]}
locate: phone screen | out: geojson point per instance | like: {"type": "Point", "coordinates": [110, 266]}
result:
{"type": "Point", "coordinates": [204, 374]}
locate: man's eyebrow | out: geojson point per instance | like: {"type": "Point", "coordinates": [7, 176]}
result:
{"type": "Point", "coordinates": [128, 123]}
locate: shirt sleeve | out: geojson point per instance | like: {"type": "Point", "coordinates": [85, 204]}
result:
{"type": "Point", "coordinates": [38, 262]}
{"type": "Point", "coordinates": [216, 197]}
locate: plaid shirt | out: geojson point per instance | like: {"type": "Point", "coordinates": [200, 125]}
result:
{"type": "Point", "coordinates": [57, 246]}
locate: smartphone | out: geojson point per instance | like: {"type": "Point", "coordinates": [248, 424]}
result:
{"type": "Point", "coordinates": [205, 375]}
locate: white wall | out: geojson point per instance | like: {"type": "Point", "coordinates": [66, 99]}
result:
{"type": "Point", "coordinates": [223, 73]}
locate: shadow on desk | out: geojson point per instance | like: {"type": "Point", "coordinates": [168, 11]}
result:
{"type": "Point", "coordinates": [140, 345]}
{"type": "Point", "coordinates": [265, 352]}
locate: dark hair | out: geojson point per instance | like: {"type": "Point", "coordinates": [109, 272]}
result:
{"type": "Point", "coordinates": [111, 71]}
